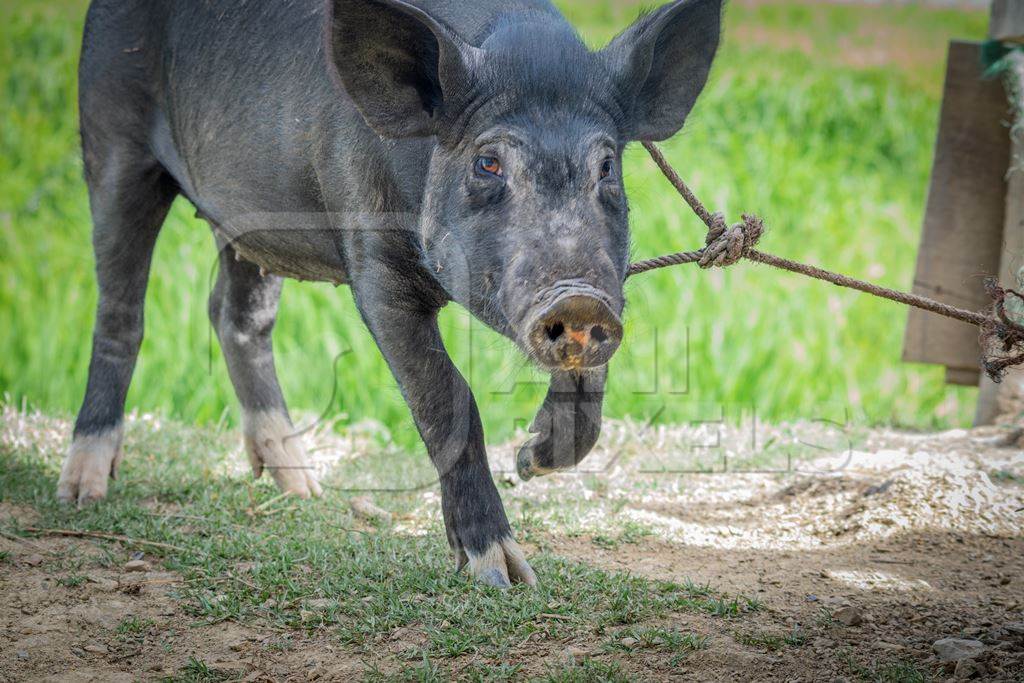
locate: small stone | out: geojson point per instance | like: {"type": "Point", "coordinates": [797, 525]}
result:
{"type": "Point", "coordinates": [234, 667]}
{"type": "Point", "coordinates": [628, 642]}
{"type": "Point", "coordinates": [955, 649]}
{"type": "Point", "coordinates": [137, 566]}
{"type": "Point", "coordinates": [322, 603]}
{"type": "Point", "coordinates": [967, 668]}
{"type": "Point", "coordinates": [34, 560]}
{"type": "Point", "coordinates": [22, 654]}
{"type": "Point", "coordinates": [364, 508]}
{"type": "Point", "coordinates": [576, 653]}
{"type": "Point", "coordinates": [848, 616]}
{"type": "Point", "coordinates": [1016, 628]}
{"type": "Point", "coordinates": [96, 649]}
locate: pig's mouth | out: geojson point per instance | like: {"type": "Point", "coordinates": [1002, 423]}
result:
{"type": "Point", "coordinates": [571, 326]}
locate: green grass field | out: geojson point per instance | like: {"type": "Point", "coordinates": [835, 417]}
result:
{"type": "Point", "coordinates": [820, 118]}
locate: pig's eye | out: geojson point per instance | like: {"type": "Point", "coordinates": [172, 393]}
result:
{"type": "Point", "coordinates": [607, 168]}
{"type": "Point", "coordinates": [488, 166]}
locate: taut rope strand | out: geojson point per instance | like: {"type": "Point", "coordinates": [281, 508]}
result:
{"type": "Point", "coordinates": [1002, 339]}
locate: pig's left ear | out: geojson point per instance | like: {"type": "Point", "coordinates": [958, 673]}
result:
{"type": "Point", "coordinates": [661, 64]}
{"type": "Point", "coordinates": [401, 67]}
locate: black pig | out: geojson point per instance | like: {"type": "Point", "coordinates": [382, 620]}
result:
{"type": "Point", "coordinates": [422, 152]}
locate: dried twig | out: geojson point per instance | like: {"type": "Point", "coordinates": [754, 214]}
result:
{"type": "Point", "coordinates": [76, 533]}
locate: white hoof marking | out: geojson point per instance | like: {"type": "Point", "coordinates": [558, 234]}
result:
{"type": "Point", "coordinates": [90, 462]}
{"type": "Point", "coordinates": [502, 564]}
{"type": "Point", "coordinates": [275, 445]}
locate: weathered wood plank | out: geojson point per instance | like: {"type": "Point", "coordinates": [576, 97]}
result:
{"type": "Point", "coordinates": [963, 224]}
{"type": "Point", "coordinates": [1007, 21]}
{"type": "Point", "coordinates": [1008, 397]}
{"type": "Point", "coordinates": [967, 378]}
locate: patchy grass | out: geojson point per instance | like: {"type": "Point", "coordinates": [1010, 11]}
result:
{"type": "Point", "coordinates": [588, 671]}
{"type": "Point", "coordinates": [246, 580]}
{"type": "Point", "coordinates": [71, 580]}
{"type": "Point", "coordinates": [670, 641]}
{"type": "Point", "coordinates": [132, 627]}
{"type": "Point", "coordinates": [771, 642]}
{"type": "Point", "coordinates": [629, 533]}
{"type": "Point", "coordinates": [1005, 477]}
{"type": "Point", "coordinates": [886, 672]}
{"type": "Point", "coordinates": [197, 671]}
{"type": "Point", "coordinates": [247, 555]}
{"type": "Point", "coordinates": [832, 151]}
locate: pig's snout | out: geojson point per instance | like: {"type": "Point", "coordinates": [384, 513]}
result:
{"type": "Point", "coordinates": [575, 331]}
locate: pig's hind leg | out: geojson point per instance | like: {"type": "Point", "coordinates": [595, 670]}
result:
{"type": "Point", "coordinates": [243, 309]}
{"type": "Point", "coordinates": [129, 196]}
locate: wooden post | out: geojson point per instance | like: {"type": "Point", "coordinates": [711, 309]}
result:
{"type": "Point", "coordinates": [964, 215]}
{"type": "Point", "coordinates": [1006, 22]}
{"type": "Point", "coordinates": [1008, 398]}
{"type": "Point", "coordinates": [974, 219]}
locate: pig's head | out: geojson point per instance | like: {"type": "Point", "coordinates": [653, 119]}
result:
{"type": "Point", "coordinates": [524, 216]}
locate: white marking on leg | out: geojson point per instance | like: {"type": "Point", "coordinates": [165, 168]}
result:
{"type": "Point", "coordinates": [90, 462]}
{"type": "Point", "coordinates": [502, 564]}
{"type": "Point", "coordinates": [275, 445]}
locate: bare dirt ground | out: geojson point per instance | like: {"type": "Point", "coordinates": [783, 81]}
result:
{"type": "Point", "coordinates": [862, 561]}
{"type": "Point", "coordinates": [871, 552]}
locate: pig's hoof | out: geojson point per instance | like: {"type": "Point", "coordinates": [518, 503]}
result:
{"type": "Point", "coordinates": [90, 462]}
{"type": "Point", "coordinates": [501, 565]}
{"type": "Point", "coordinates": [527, 465]}
{"type": "Point", "coordinates": [273, 444]}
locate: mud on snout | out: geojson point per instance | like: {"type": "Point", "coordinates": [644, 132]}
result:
{"type": "Point", "coordinates": [572, 325]}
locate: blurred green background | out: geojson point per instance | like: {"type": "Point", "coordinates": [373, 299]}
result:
{"type": "Point", "coordinates": [820, 117]}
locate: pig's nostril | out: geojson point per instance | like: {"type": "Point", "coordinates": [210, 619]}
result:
{"type": "Point", "coordinates": [575, 331]}
{"type": "Point", "coordinates": [555, 331]}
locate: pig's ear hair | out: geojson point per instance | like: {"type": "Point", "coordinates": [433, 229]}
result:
{"type": "Point", "coordinates": [399, 65]}
{"type": "Point", "coordinates": [661, 63]}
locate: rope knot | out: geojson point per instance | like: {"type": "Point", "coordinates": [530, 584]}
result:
{"type": "Point", "coordinates": [1002, 337]}
{"type": "Point", "coordinates": [725, 245]}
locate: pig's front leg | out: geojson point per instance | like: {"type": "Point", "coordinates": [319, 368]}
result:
{"type": "Point", "coordinates": [567, 424]}
{"type": "Point", "coordinates": [446, 416]}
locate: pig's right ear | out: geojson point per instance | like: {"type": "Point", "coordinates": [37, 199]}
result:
{"type": "Point", "coordinates": [399, 65]}
{"type": "Point", "coordinates": [661, 64]}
